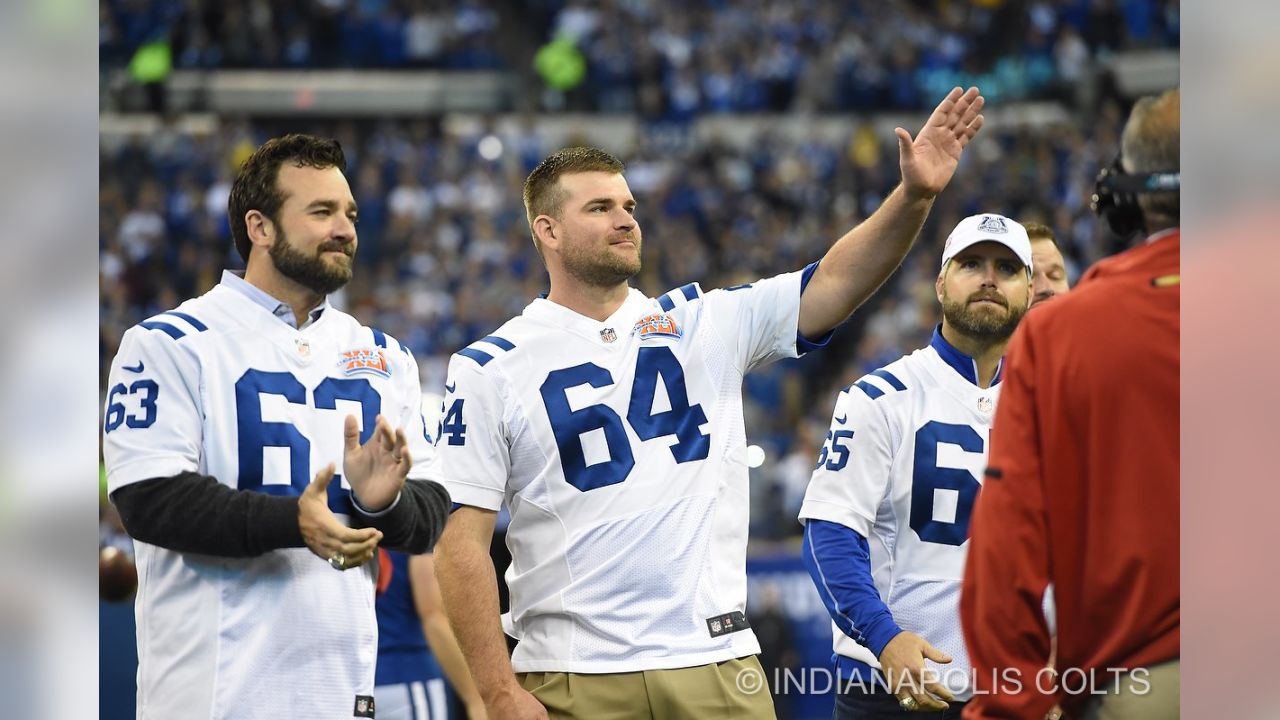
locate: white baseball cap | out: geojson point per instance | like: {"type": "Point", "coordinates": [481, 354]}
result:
{"type": "Point", "coordinates": [988, 226]}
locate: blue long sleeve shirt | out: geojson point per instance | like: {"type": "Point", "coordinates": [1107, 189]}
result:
{"type": "Point", "coordinates": [838, 559]}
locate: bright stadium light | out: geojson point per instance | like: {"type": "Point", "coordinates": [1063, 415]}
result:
{"type": "Point", "coordinates": [490, 147]}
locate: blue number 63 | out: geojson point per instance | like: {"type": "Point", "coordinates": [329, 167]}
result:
{"type": "Point", "coordinates": [116, 415]}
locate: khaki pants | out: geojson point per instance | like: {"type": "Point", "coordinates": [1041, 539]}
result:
{"type": "Point", "coordinates": [1145, 694]}
{"type": "Point", "coordinates": [729, 690]}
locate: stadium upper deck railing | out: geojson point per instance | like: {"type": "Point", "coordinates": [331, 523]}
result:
{"type": "Point", "coordinates": [355, 93]}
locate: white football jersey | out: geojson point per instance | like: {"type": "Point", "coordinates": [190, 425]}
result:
{"type": "Point", "coordinates": [619, 447]}
{"type": "Point", "coordinates": [902, 465]}
{"type": "Point", "coordinates": [222, 387]}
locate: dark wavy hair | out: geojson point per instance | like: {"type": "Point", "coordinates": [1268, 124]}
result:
{"type": "Point", "coordinates": [256, 186]}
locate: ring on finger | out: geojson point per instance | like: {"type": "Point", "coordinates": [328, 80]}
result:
{"type": "Point", "coordinates": [338, 561]}
{"type": "Point", "coordinates": [908, 703]}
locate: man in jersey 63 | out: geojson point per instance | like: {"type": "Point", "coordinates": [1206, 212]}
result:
{"type": "Point", "coordinates": [226, 418]}
{"type": "Point", "coordinates": [611, 425]}
{"type": "Point", "coordinates": [887, 511]}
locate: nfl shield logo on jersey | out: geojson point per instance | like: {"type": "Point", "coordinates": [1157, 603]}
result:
{"type": "Point", "coordinates": [364, 707]}
{"type": "Point", "coordinates": [608, 335]}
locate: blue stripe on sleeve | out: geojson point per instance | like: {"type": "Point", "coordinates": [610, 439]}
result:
{"type": "Point", "coordinates": [199, 326]}
{"type": "Point", "coordinates": [690, 291]}
{"type": "Point", "coordinates": [806, 275]}
{"type": "Point", "coordinates": [804, 344]}
{"type": "Point", "coordinates": [890, 378]}
{"type": "Point", "coordinates": [667, 303]}
{"type": "Point", "coordinates": [168, 329]}
{"type": "Point", "coordinates": [872, 391]}
{"type": "Point", "coordinates": [379, 337]}
{"type": "Point", "coordinates": [839, 561]}
{"type": "Point", "coordinates": [479, 356]}
{"type": "Point", "coordinates": [500, 342]}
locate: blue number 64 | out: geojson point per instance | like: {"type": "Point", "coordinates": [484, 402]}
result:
{"type": "Point", "coordinates": [653, 365]}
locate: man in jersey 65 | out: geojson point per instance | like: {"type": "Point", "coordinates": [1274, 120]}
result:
{"type": "Point", "coordinates": [611, 425]}
{"type": "Point", "coordinates": [887, 511]}
{"type": "Point", "coordinates": [226, 418]}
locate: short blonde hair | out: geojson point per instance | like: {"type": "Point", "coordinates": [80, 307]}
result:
{"type": "Point", "coordinates": [543, 194]}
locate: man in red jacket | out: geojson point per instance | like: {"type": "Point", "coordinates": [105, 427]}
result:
{"type": "Point", "coordinates": [1082, 482]}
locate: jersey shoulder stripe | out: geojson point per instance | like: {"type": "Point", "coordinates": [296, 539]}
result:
{"type": "Point", "coordinates": [871, 391]}
{"type": "Point", "coordinates": [385, 341]}
{"type": "Point", "coordinates": [199, 326]}
{"type": "Point", "coordinates": [680, 296]}
{"type": "Point", "coordinates": [175, 324]}
{"type": "Point", "coordinates": [888, 384]}
{"type": "Point", "coordinates": [485, 349]}
{"type": "Point", "coordinates": [500, 342]}
{"type": "Point", "coordinates": [890, 378]}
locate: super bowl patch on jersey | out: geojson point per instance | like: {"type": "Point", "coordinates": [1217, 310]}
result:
{"type": "Point", "coordinates": [364, 361]}
{"type": "Point", "coordinates": [655, 326]}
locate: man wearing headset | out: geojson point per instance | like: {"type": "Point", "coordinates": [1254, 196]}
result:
{"type": "Point", "coordinates": [1082, 479]}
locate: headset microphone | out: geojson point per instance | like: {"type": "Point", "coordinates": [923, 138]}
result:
{"type": "Point", "coordinates": [1115, 195]}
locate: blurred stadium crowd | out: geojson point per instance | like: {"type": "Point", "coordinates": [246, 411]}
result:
{"type": "Point", "coordinates": [673, 59]}
{"type": "Point", "coordinates": [445, 254]}
{"type": "Point", "coordinates": [207, 34]}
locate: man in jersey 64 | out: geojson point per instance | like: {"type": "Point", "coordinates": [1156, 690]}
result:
{"type": "Point", "coordinates": [611, 425]}
{"type": "Point", "coordinates": [226, 419]}
{"type": "Point", "coordinates": [887, 511]}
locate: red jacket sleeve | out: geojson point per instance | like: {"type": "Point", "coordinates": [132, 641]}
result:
{"type": "Point", "coordinates": [1007, 568]}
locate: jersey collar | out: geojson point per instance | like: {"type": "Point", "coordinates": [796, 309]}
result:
{"type": "Point", "coordinates": [234, 280]}
{"type": "Point", "coordinates": [961, 363]}
{"type": "Point", "coordinates": [621, 320]}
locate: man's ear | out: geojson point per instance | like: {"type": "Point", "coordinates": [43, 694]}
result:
{"type": "Point", "coordinates": [548, 231]}
{"type": "Point", "coordinates": [261, 230]}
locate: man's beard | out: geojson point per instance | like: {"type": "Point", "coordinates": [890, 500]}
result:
{"type": "Point", "coordinates": [981, 324]}
{"type": "Point", "coordinates": [311, 271]}
{"type": "Point", "coordinates": [604, 268]}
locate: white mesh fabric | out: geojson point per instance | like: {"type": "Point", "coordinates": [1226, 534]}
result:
{"type": "Point", "coordinates": [632, 577]}
{"type": "Point", "coordinates": [932, 611]}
